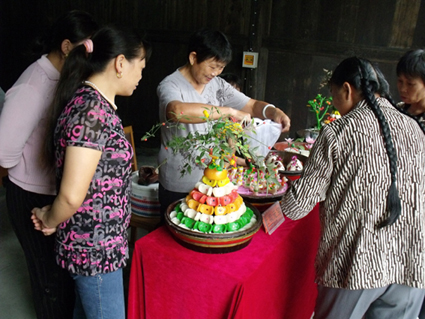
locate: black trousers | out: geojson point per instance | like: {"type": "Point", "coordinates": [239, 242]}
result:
{"type": "Point", "coordinates": [52, 287]}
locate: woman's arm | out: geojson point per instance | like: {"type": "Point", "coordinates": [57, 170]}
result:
{"type": "Point", "coordinates": [22, 112]}
{"type": "Point", "coordinates": [192, 112]}
{"type": "Point", "coordinates": [256, 108]}
{"type": "Point", "coordinates": [79, 168]}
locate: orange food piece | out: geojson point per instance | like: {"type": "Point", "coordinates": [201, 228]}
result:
{"type": "Point", "coordinates": [238, 201]}
{"type": "Point", "coordinates": [213, 174]}
{"type": "Point", "coordinates": [231, 208]}
{"type": "Point", "coordinates": [193, 204]}
{"type": "Point", "coordinates": [205, 209]}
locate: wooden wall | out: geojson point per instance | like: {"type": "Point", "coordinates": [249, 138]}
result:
{"type": "Point", "coordinates": [296, 41]}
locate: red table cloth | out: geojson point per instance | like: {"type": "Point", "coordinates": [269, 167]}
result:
{"type": "Point", "coordinates": [273, 277]}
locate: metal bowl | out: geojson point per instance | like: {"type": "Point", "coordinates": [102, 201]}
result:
{"type": "Point", "coordinates": [213, 243]}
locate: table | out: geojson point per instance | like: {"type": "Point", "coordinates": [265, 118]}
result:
{"type": "Point", "coordinates": [273, 277]}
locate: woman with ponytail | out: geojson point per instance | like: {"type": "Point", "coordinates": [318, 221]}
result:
{"type": "Point", "coordinates": [367, 172]}
{"type": "Point", "coordinates": [31, 182]}
{"type": "Point", "coordinates": [91, 212]}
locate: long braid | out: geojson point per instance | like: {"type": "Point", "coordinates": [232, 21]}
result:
{"type": "Point", "coordinates": [393, 198]}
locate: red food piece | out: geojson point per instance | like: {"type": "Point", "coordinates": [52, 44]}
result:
{"type": "Point", "coordinates": [196, 195]}
{"type": "Point", "coordinates": [233, 195]}
{"type": "Point", "coordinates": [225, 200]}
{"type": "Point", "coordinates": [203, 199]}
{"type": "Point", "coordinates": [212, 201]}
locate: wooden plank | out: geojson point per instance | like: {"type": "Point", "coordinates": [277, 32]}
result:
{"type": "Point", "coordinates": [404, 23]}
{"type": "Point", "coordinates": [333, 49]}
{"type": "Point", "coordinates": [419, 37]}
{"type": "Point", "coordinates": [347, 21]}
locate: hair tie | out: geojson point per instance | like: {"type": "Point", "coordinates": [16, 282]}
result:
{"type": "Point", "coordinates": [88, 43]}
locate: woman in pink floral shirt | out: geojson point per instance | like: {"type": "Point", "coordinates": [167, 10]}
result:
{"type": "Point", "coordinates": [93, 158]}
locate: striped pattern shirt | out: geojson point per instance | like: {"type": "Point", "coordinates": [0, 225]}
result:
{"type": "Point", "coordinates": [348, 174]}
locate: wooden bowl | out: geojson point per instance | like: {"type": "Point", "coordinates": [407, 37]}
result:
{"type": "Point", "coordinates": [262, 203]}
{"type": "Point", "coordinates": [213, 243]}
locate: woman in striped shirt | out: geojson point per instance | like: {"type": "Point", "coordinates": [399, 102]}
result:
{"type": "Point", "coordinates": [367, 171]}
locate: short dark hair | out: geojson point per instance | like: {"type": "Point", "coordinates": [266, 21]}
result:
{"type": "Point", "coordinates": [412, 64]}
{"type": "Point", "coordinates": [233, 79]}
{"type": "Point", "coordinates": [208, 44]}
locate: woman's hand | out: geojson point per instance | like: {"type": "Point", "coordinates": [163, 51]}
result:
{"type": "Point", "coordinates": [38, 215]}
{"type": "Point", "coordinates": [256, 109]}
{"type": "Point", "coordinates": [280, 117]}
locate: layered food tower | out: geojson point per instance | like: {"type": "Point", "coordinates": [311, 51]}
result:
{"type": "Point", "coordinates": [213, 206]}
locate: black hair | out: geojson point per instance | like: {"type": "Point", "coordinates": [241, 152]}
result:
{"type": "Point", "coordinates": [74, 25]}
{"type": "Point", "coordinates": [384, 87]}
{"type": "Point", "coordinates": [362, 75]}
{"type": "Point", "coordinates": [108, 43]}
{"type": "Point", "coordinates": [412, 64]}
{"type": "Point", "coordinates": [233, 79]}
{"type": "Point", "coordinates": [208, 44]}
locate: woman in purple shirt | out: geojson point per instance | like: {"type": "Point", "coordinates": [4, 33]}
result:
{"type": "Point", "coordinates": [91, 212]}
{"type": "Point", "coordinates": [31, 183]}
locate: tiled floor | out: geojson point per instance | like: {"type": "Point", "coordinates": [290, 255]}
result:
{"type": "Point", "coordinates": [15, 295]}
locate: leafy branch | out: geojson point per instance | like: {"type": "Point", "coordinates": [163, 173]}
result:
{"type": "Point", "coordinates": [320, 106]}
{"type": "Point", "coordinates": [222, 139]}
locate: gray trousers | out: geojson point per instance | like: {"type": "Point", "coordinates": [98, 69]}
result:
{"type": "Point", "coordinates": [390, 302]}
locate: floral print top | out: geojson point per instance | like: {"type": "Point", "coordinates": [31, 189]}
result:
{"type": "Point", "coordinates": [94, 239]}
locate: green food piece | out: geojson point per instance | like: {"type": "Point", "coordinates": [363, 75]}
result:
{"type": "Point", "coordinates": [232, 226]}
{"type": "Point", "coordinates": [243, 220]}
{"type": "Point", "coordinates": [189, 222]}
{"type": "Point", "coordinates": [180, 216]}
{"type": "Point", "coordinates": [249, 213]}
{"type": "Point", "coordinates": [177, 208]}
{"type": "Point", "coordinates": [204, 227]}
{"type": "Point", "coordinates": [219, 229]}
{"type": "Point", "coordinates": [240, 223]}
{"type": "Point", "coordinates": [196, 225]}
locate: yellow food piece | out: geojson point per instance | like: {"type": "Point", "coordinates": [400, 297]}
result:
{"type": "Point", "coordinates": [223, 182]}
{"type": "Point", "coordinates": [210, 182]}
{"type": "Point", "coordinates": [220, 210]}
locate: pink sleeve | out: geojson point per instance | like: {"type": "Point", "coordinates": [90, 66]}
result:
{"type": "Point", "coordinates": [22, 111]}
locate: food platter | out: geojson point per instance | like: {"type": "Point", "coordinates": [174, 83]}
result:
{"type": "Point", "coordinates": [213, 243]}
